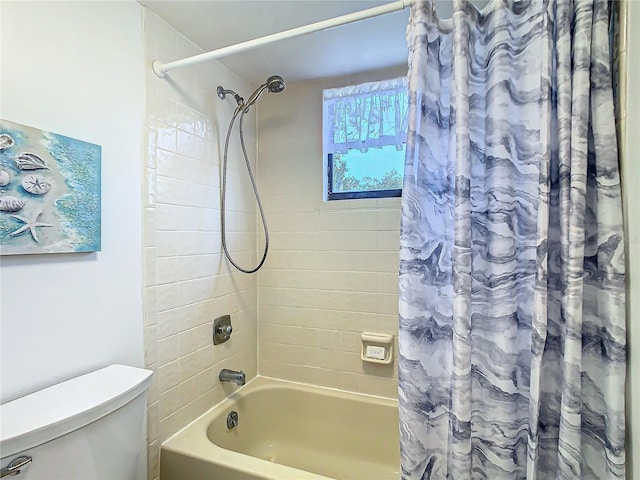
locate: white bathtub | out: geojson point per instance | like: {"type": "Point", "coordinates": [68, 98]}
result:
{"type": "Point", "coordinates": [288, 431]}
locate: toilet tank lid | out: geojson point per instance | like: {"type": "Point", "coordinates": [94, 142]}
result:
{"type": "Point", "coordinates": [57, 410]}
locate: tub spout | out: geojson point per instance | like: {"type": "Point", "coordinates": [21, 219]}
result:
{"type": "Point", "coordinates": [227, 375]}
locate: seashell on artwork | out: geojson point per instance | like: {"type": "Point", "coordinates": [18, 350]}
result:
{"type": "Point", "coordinates": [11, 204]}
{"type": "Point", "coordinates": [36, 184]}
{"type": "Point", "coordinates": [30, 161]}
{"type": "Point", "coordinates": [6, 141]}
{"type": "Point", "coordinates": [5, 178]}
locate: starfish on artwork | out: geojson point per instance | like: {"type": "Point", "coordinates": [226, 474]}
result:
{"type": "Point", "coordinates": [29, 225]}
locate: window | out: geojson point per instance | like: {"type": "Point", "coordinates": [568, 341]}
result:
{"type": "Point", "coordinates": [365, 131]}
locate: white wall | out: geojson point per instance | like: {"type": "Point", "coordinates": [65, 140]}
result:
{"type": "Point", "coordinates": [629, 58]}
{"type": "Point", "coordinates": [75, 68]}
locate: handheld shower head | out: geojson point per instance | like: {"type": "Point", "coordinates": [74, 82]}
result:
{"type": "Point", "coordinates": [275, 84]}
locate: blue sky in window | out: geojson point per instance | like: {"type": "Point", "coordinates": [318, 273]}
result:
{"type": "Point", "coordinates": [375, 162]}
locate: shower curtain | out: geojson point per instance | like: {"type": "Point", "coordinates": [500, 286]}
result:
{"type": "Point", "coordinates": [512, 319]}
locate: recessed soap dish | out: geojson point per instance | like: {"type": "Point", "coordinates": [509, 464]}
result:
{"type": "Point", "coordinates": [377, 348]}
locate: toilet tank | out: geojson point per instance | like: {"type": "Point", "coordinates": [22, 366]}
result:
{"type": "Point", "coordinates": [91, 427]}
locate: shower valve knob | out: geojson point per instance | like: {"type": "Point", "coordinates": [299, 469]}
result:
{"type": "Point", "coordinates": [222, 329]}
{"type": "Point", "coordinates": [226, 330]}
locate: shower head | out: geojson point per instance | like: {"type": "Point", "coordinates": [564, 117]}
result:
{"type": "Point", "coordinates": [275, 84]}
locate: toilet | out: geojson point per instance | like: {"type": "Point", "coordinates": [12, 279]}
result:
{"type": "Point", "coordinates": [91, 427]}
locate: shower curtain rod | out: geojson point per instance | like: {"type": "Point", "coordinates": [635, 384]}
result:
{"type": "Point", "coordinates": [161, 69]}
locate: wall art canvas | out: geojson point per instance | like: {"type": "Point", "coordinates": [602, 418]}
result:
{"type": "Point", "coordinates": [49, 192]}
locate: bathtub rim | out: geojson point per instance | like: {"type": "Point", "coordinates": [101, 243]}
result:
{"type": "Point", "coordinates": [193, 441]}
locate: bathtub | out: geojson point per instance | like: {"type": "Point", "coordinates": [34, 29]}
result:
{"type": "Point", "coordinates": [288, 431]}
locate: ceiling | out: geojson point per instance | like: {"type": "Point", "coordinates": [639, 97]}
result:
{"type": "Point", "coordinates": [370, 44]}
{"type": "Point", "coordinates": [366, 45]}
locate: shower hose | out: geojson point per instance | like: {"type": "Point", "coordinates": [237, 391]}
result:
{"type": "Point", "coordinates": [223, 194]}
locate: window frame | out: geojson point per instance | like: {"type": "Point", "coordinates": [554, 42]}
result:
{"type": "Point", "coordinates": [331, 195]}
{"type": "Point", "coordinates": [390, 87]}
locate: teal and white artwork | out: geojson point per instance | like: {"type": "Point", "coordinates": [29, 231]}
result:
{"type": "Point", "coordinates": [49, 192]}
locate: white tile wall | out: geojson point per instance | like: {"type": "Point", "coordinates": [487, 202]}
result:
{"type": "Point", "coordinates": [187, 281]}
{"type": "Point", "coordinates": [332, 272]}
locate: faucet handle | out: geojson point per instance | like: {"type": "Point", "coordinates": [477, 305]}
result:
{"type": "Point", "coordinates": [224, 330]}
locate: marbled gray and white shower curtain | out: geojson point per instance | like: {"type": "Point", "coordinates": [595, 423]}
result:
{"type": "Point", "coordinates": [512, 319]}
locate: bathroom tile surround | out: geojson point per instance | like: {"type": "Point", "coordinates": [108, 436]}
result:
{"type": "Point", "coordinates": [332, 272]}
{"type": "Point", "coordinates": [187, 281]}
